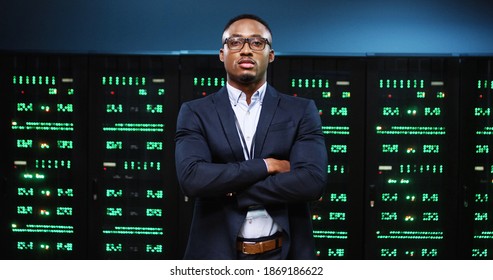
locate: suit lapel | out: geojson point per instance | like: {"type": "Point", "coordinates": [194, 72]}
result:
{"type": "Point", "coordinates": [269, 107]}
{"type": "Point", "coordinates": [226, 116]}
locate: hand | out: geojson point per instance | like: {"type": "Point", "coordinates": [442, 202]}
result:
{"type": "Point", "coordinates": [277, 166]}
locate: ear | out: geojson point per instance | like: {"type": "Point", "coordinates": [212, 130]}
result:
{"type": "Point", "coordinates": [221, 55]}
{"type": "Point", "coordinates": [272, 56]}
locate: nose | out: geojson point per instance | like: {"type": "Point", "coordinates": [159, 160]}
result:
{"type": "Point", "coordinates": [246, 48]}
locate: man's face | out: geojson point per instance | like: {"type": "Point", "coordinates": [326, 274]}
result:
{"type": "Point", "coordinates": [245, 66]}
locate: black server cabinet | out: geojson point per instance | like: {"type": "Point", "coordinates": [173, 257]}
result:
{"type": "Point", "coordinates": [44, 159]}
{"type": "Point", "coordinates": [133, 209]}
{"type": "Point", "coordinates": [476, 168]}
{"type": "Point", "coordinates": [200, 75]}
{"type": "Point", "coordinates": [412, 158]}
{"type": "Point", "coordinates": [337, 85]}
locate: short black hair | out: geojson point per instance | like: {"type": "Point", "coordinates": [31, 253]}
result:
{"type": "Point", "coordinates": [247, 16]}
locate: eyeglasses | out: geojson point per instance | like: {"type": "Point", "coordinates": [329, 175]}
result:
{"type": "Point", "coordinates": [255, 43]}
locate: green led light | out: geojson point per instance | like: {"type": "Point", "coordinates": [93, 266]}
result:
{"type": "Point", "coordinates": [481, 216]}
{"type": "Point", "coordinates": [154, 248]}
{"type": "Point", "coordinates": [114, 193]}
{"type": "Point", "coordinates": [479, 253]}
{"type": "Point", "coordinates": [429, 252]}
{"type": "Point", "coordinates": [25, 191]}
{"type": "Point", "coordinates": [24, 143]}
{"type": "Point", "coordinates": [52, 164]}
{"type": "Point", "coordinates": [65, 108]}
{"type": "Point", "coordinates": [431, 149]}
{"type": "Point", "coordinates": [337, 130]}
{"type": "Point", "coordinates": [46, 193]}
{"type": "Point", "coordinates": [426, 197]}
{"type": "Point", "coordinates": [329, 234]}
{"type": "Point", "coordinates": [481, 197]}
{"type": "Point", "coordinates": [208, 81]}
{"type": "Point", "coordinates": [337, 216]}
{"type": "Point", "coordinates": [485, 84]}
{"type": "Point", "coordinates": [417, 235]}
{"type": "Point", "coordinates": [154, 212]}
{"type": "Point", "coordinates": [33, 80]}
{"type": "Point", "coordinates": [33, 176]}
{"type": "Point", "coordinates": [420, 94]}
{"type": "Point", "coordinates": [114, 108]}
{"type": "Point", "coordinates": [412, 130]}
{"type": "Point", "coordinates": [135, 231]}
{"type": "Point", "coordinates": [114, 145]}
{"type": "Point", "coordinates": [482, 149]}
{"type": "Point", "coordinates": [52, 126]}
{"type": "Point", "coordinates": [484, 235]}
{"type": "Point", "coordinates": [421, 168]}
{"type": "Point", "coordinates": [24, 210]}
{"type": "Point", "coordinates": [23, 245]}
{"type": "Point", "coordinates": [479, 112]}
{"type": "Point", "coordinates": [65, 144]}
{"type": "Point", "coordinates": [142, 92]}
{"type": "Point", "coordinates": [34, 228]}
{"type": "Point", "coordinates": [123, 81]}
{"type": "Point", "coordinates": [433, 111]}
{"type": "Point", "coordinates": [154, 108]}
{"type": "Point", "coordinates": [113, 247]}
{"type": "Point", "coordinates": [390, 111]}
{"type": "Point", "coordinates": [388, 216]}
{"type": "Point", "coordinates": [390, 148]}
{"type": "Point", "coordinates": [430, 216]}
{"type": "Point", "coordinates": [64, 246]}
{"type": "Point", "coordinates": [388, 252]}
{"type": "Point", "coordinates": [154, 146]}
{"type": "Point", "coordinates": [64, 211]}
{"type": "Point", "coordinates": [335, 168]}
{"type": "Point", "coordinates": [65, 192]}
{"type": "Point", "coordinates": [154, 194]}
{"type": "Point", "coordinates": [141, 165]}
{"type": "Point", "coordinates": [337, 252]}
{"type": "Point", "coordinates": [388, 197]}
{"type": "Point", "coordinates": [338, 149]}
{"type": "Point", "coordinates": [401, 84]}
{"type": "Point", "coordinates": [326, 94]}
{"type": "Point", "coordinates": [338, 197]}
{"type": "Point", "coordinates": [335, 111]}
{"type": "Point", "coordinates": [24, 107]}
{"type": "Point", "coordinates": [161, 91]}
{"type": "Point", "coordinates": [110, 211]}
{"type": "Point", "coordinates": [136, 127]}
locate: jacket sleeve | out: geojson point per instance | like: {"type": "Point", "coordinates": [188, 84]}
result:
{"type": "Point", "coordinates": [197, 174]}
{"type": "Point", "coordinates": [307, 178]}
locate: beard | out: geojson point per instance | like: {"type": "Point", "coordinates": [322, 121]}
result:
{"type": "Point", "coordinates": [246, 78]}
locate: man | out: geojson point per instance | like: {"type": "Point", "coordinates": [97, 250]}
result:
{"type": "Point", "coordinates": [252, 157]}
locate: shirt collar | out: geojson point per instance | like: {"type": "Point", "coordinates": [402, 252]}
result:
{"type": "Point", "coordinates": [235, 95]}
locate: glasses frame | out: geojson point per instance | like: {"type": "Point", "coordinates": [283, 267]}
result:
{"type": "Point", "coordinates": [245, 40]}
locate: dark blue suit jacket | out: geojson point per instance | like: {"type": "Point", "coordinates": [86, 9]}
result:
{"type": "Point", "coordinates": [210, 163]}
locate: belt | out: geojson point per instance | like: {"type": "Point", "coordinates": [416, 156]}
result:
{"type": "Point", "coordinates": [253, 248]}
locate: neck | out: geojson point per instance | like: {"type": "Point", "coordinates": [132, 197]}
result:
{"type": "Point", "coordinates": [248, 89]}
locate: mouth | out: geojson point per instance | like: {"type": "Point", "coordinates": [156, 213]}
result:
{"type": "Point", "coordinates": [246, 63]}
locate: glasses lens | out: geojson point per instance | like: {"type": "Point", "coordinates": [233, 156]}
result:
{"type": "Point", "coordinates": [257, 44]}
{"type": "Point", "coordinates": [237, 43]}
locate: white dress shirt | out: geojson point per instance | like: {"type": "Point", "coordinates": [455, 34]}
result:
{"type": "Point", "coordinates": [258, 223]}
